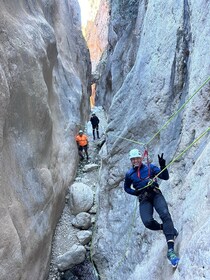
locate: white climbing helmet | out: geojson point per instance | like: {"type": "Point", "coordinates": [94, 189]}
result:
{"type": "Point", "coordinates": [134, 153]}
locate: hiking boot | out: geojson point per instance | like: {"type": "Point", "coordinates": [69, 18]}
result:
{"type": "Point", "coordinates": [172, 257]}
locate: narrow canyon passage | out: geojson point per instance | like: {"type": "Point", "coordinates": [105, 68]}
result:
{"type": "Point", "coordinates": [150, 80]}
{"type": "Point", "coordinates": [94, 15]}
{"type": "Point", "coordinates": [66, 234]}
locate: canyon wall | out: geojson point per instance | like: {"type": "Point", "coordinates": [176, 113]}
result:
{"type": "Point", "coordinates": [45, 88]}
{"type": "Point", "coordinates": [96, 33]}
{"type": "Point", "coordinates": [157, 58]}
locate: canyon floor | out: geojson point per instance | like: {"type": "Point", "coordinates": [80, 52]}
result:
{"type": "Point", "coordinates": [65, 233]}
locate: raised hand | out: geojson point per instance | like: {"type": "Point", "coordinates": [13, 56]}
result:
{"type": "Point", "coordinates": [162, 161]}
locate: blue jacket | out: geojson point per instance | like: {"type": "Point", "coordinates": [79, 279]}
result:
{"type": "Point", "coordinates": [131, 178]}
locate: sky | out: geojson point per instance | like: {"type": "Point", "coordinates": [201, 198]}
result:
{"type": "Point", "coordinates": [84, 6]}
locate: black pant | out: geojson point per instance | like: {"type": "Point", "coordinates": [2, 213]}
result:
{"type": "Point", "coordinates": [95, 127]}
{"type": "Point", "coordinates": [81, 148]}
{"type": "Point", "coordinates": [155, 200]}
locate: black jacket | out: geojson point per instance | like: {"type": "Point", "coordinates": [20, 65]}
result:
{"type": "Point", "coordinates": [94, 120]}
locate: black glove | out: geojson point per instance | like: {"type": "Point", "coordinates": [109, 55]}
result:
{"type": "Point", "coordinates": [152, 184]}
{"type": "Point", "coordinates": [138, 192]}
{"type": "Point", "coordinates": [162, 161]}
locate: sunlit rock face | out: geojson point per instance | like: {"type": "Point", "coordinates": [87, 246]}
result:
{"type": "Point", "coordinates": [44, 76]}
{"type": "Point", "coordinates": [96, 33]}
{"type": "Point", "coordinates": [156, 59]}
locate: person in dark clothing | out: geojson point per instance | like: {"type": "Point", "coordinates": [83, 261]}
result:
{"type": "Point", "coordinates": [141, 181]}
{"type": "Point", "coordinates": [95, 123]}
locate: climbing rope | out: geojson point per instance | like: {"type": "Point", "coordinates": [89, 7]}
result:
{"type": "Point", "coordinates": [167, 122]}
{"type": "Point", "coordinates": [181, 108]}
{"type": "Point", "coordinates": [130, 140]}
{"type": "Point", "coordinates": [170, 118]}
{"type": "Point", "coordinates": [172, 161]}
{"type": "Point", "coordinates": [169, 164]}
{"type": "Point", "coordinates": [176, 158]}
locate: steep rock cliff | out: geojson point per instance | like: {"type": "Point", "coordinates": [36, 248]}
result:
{"type": "Point", "coordinates": [156, 59]}
{"type": "Point", "coordinates": [45, 88]}
{"type": "Point", "coordinates": [96, 33]}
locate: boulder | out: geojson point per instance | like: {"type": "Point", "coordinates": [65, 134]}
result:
{"type": "Point", "coordinates": [82, 221]}
{"type": "Point", "coordinates": [80, 198]}
{"type": "Point", "coordinates": [84, 236]}
{"type": "Point", "coordinates": [90, 167]}
{"type": "Point", "coordinates": [74, 256]}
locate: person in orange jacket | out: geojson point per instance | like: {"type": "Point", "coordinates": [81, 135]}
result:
{"type": "Point", "coordinates": [82, 144]}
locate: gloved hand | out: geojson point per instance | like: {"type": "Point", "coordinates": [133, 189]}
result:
{"type": "Point", "coordinates": [153, 184]}
{"type": "Point", "coordinates": [138, 192]}
{"type": "Point", "coordinates": [162, 161]}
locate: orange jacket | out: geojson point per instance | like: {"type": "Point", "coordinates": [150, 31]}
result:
{"type": "Point", "coordinates": [82, 140]}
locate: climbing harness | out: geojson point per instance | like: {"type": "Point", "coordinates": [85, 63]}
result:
{"type": "Point", "coordinates": [148, 166]}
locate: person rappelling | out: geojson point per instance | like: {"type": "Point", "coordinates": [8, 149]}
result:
{"type": "Point", "coordinates": [142, 178]}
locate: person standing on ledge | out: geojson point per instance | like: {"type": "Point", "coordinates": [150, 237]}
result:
{"type": "Point", "coordinates": [95, 122]}
{"type": "Point", "coordinates": [82, 144]}
{"type": "Point", "coordinates": [150, 198]}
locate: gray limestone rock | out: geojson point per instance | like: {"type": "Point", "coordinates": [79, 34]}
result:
{"type": "Point", "coordinates": [156, 60]}
{"type": "Point", "coordinates": [74, 256]}
{"type": "Point", "coordinates": [82, 221]}
{"type": "Point", "coordinates": [43, 84]}
{"type": "Point", "coordinates": [90, 167]}
{"type": "Point", "coordinates": [84, 236]}
{"type": "Point", "coordinates": [80, 198]}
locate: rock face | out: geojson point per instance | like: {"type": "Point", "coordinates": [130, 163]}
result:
{"type": "Point", "coordinates": [119, 57]}
{"type": "Point", "coordinates": [44, 76]}
{"type": "Point", "coordinates": [156, 59]}
{"type": "Point", "coordinates": [96, 32]}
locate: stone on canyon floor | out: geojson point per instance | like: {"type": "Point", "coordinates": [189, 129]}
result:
{"type": "Point", "coordinates": [90, 167]}
{"type": "Point", "coordinates": [84, 236]}
{"type": "Point", "coordinates": [82, 221]}
{"type": "Point", "coordinates": [75, 255]}
{"type": "Point", "coordinates": [81, 198]}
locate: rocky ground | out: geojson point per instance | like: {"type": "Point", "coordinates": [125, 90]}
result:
{"type": "Point", "coordinates": [65, 234]}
